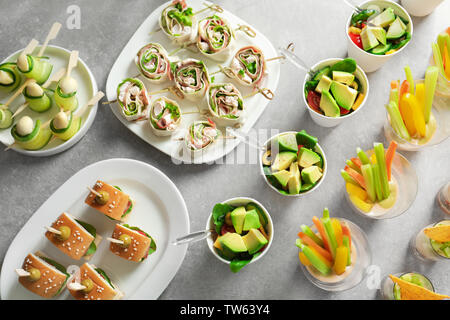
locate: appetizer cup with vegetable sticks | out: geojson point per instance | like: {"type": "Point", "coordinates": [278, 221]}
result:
{"type": "Point", "coordinates": [443, 198]}
{"type": "Point", "coordinates": [432, 243]}
{"type": "Point", "coordinates": [402, 26]}
{"type": "Point", "coordinates": [441, 59]}
{"type": "Point", "coordinates": [348, 98]}
{"type": "Point", "coordinates": [242, 232]}
{"type": "Point", "coordinates": [379, 184]}
{"type": "Point", "coordinates": [334, 253]}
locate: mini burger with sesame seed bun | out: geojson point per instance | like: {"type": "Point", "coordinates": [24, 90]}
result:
{"type": "Point", "coordinates": [131, 243]}
{"type": "Point", "coordinates": [110, 200]}
{"type": "Point", "coordinates": [75, 238]}
{"type": "Point", "coordinates": [92, 283]}
{"type": "Point", "coordinates": [42, 276]}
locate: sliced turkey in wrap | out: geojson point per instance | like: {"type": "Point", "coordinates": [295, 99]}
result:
{"type": "Point", "coordinates": [133, 99]}
{"type": "Point", "coordinates": [178, 22]}
{"type": "Point", "coordinates": [225, 103]}
{"type": "Point", "coordinates": [153, 63]}
{"type": "Point", "coordinates": [215, 38]}
{"type": "Point", "coordinates": [191, 78]}
{"type": "Point", "coordinates": [165, 116]}
{"type": "Point", "coordinates": [248, 66]}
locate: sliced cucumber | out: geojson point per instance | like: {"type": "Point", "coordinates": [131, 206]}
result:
{"type": "Point", "coordinates": [68, 102]}
{"type": "Point", "coordinates": [70, 131]}
{"type": "Point", "coordinates": [38, 104]}
{"type": "Point", "coordinates": [6, 119]}
{"type": "Point", "coordinates": [39, 69]}
{"type": "Point", "coordinates": [39, 141]}
{"type": "Point", "coordinates": [381, 49]}
{"type": "Point", "coordinates": [11, 69]}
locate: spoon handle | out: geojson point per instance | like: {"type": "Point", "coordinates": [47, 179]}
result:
{"type": "Point", "coordinates": [192, 237]}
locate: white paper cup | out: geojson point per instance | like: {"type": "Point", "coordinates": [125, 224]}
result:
{"type": "Point", "coordinates": [323, 120]}
{"type": "Point", "coordinates": [420, 8]}
{"type": "Point", "coordinates": [367, 61]}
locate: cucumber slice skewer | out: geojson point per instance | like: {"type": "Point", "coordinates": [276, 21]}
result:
{"type": "Point", "coordinates": [5, 118]}
{"type": "Point", "coordinates": [66, 90]}
{"type": "Point", "coordinates": [10, 77]}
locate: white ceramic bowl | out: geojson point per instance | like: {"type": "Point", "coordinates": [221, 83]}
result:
{"type": "Point", "coordinates": [240, 201]}
{"type": "Point", "coordinates": [420, 8]}
{"type": "Point", "coordinates": [370, 62]}
{"type": "Point", "coordinates": [323, 120]}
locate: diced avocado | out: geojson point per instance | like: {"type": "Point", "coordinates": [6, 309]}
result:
{"type": "Point", "coordinates": [262, 216]}
{"type": "Point", "coordinates": [237, 218]}
{"type": "Point", "coordinates": [344, 95]}
{"type": "Point", "coordinates": [271, 178]}
{"type": "Point", "coordinates": [324, 84]}
{"type": "Point", "coordinates": [254, 240]}
{"type": "Point", "coordinates": [368, 39]}
{"type": "Point", "coordinates": [306, 187]}
{"type": "Point", "coordinates": [384, 19]}
{"type": "Point", "coordinates": [311, 174]}
{"type": "Point", "coordinates": [225, 253]}
{"type": "Point", "coordinates": [379, 33]}
{"type": "Point", "coordinates": [283, 160]}
{"type": "Point", "coordinates": [306, 140]}
{"type": "Point", "coordinates": [381, 49]}
{"type": "Point", "coordinates": [232, 243]}
{"type": "Point", "coordinates": [307, 158]}
{"type": "Point", "coordinates": [251, 220]}
{"type": "Point", "coordinates": [328, 105]}
{"type": "Point", "coordinates": [287, 142]}
{"type": "Point", "coordinates": [343, 77]}
{"type": "Point", "coordinates": [294, 182]}
{"type": "Point", "coordinates": [321, 73]}
{"type": "Point", "coordinates": [282, 177]}
{"type": "Point", "coordinates": [396, 29]}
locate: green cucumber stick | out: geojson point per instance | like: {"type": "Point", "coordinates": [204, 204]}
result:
{"type": "Point", "coordinates": [397, 120]}
{"type": "Point", "coordinates": [362, 156]}
{"type": "Point", "coordinates": [393, 96]}
{"type": "Point", "coordinates": [329, 232]}
{"type": "Point", "coordinates": [346, 243]}
{"type": "Point", "coordinates": [431, 76]}
{"type": "Point", "coordinates": [348, 178]}
{"type": "Point", "coordinates": [376, 178]}
{"type": "Point", "coordinates": [367, 173]}
{"type": "Point", "coordinates": [442, 40]}
{"type": "Point", "coordinates": [314, 259]}
{"type": "Point", "coordinates": [306, 230]}
{"type": "Point", "coordinates": [410, 79]}
{"type": "Point", "coordinates": [381, 161]}
{"type": "Point", "coordinates": [438, 57]}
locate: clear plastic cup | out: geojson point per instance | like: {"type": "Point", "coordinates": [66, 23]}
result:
{"type": "Point", "coordinates": [388, 286]}
{"type": "Point", "coordinates": [443, 198]}
{"type": "Point", "coordinates": [422, 246]}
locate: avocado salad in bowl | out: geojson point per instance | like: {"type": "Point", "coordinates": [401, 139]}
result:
{"type": "Point", "coordinates": [242, 232]}
{"type": "Point", "coordinates": [334, 90]}
{"type": "Point", "coordinates": [293, 163]}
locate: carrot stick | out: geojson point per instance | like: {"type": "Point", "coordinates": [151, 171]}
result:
{"type": "Point", "coordinates": [448, 30]}
{"type": "Point", "coordinates": [394, 84]}
{"type": "Point", "coordinates": [346, 232]}
{"type": "Point", "coordinates": [310, 242]}
{"type": "Point", "coordinates": [357, 162]}
{"type": "Point", "coordinates": [356, 176]}
{"type": "Point", "coordinates": [390, 152]}
{"type": "Point", "coordinates": [322, 232]}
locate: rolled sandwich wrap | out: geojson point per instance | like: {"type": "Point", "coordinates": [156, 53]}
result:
{"type": "Point", "coordinates": [225, 103]}
{"type": "Point", "coordinates": [165, 116]}
{"type": "Point", "coordinates": [178, 22]}
{"type": "Point", "coordinates": [191, 78]}
{"type": "Point", "coordinates": [9, 76]}
{"type": "Point", "coordinates": [248, 66]}
{"type": "Point", "coordinates": [215, 38]}
{"type": "Point", "coordinates": [133, 99]}
{"type": "Point", "coordinates": [201, 135]}
{"type": "Point", "coordinates": [153, 63]}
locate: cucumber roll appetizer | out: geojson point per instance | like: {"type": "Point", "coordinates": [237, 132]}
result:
{"type": "Point", "coordinates": [65, 94]}
{"type": "Point", "coordinates": [225, 103]}
{"type": "Point", "coordinates": [9, 76]}
{"type": "Point", "coordinates": [248, 66]}
{"type": "Point", "coordinates": [165, 116]}
{"type": "Point", "coordinates": [201, 135]}
{"type": "Point", "coordinates": [191, 78]}
{"type": "Point", "coordinates": [133, 99]}
{"type": "Point", "coordinates": [178, 22]}
{"type": "Point", "coordinates": [6, 119]}
{"type": "Point", "coordinates": [30, 136]}
{"type": "Point", "coordinates": [65, 126]}
{"type": "Point", "coordinates": [153, 63]}
{"type": "Point", "coordinates": [38, 100]}
{"type": "Point", "coordinates": [215, 38]}
{"type": "Point", "coordinates": [37, 68]}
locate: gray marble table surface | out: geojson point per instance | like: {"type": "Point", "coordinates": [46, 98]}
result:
{"type": "Point", "coordinates": [317, 27]}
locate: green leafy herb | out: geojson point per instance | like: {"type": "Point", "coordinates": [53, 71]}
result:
{"type": "Point", "coordinates": [236, 265]}
{"type": "Point", "coordinates": [104, 276]}
{"type": "Point", "coordinates": [218, 214]}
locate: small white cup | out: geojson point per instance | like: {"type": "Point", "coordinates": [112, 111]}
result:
{"type": "Point", "coordinates": [420, 8]}
{"type": "Point", "coordinates": [323, 120]}
{"type": "Point", "coordinates": [371, 62]}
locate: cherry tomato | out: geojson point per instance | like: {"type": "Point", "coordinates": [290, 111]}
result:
{"type": "Point", "coordinates": [225, 228]}
{"type": "Point", "coordinates": [299, 147]}
{"type": "Point", "coordinates": [313, 99]}
{"type": "Point", "coordinates": [344, 111]}
{"type": "Point", "coordinates": [356, 38]}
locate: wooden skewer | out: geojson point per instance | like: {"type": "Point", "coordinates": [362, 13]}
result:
{"type": "Point", "coordinates": [22, 273]}
{"type": "Point", "coordinates": [18, 91]}
{"type": "Point", "coordinates": [76, 286]}
{"type": "Point", "coordinates": [115, 240]}
{"type": "Point", "coordinates": [53, 230]}
{"type": "Point", "coordinates": [51, 35]}
{"type": "Point", "coordinates": [73, 61]}
{"type": "Point", "coordinates": [94, 192]}
{"type": "Point", "coordinates": [247, 30]}
{"type": "Point", "coordinates": [30, 47]}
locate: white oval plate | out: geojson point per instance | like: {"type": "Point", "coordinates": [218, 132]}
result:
{"type": "Point", "coordinates": [125, 67]}
{"type": "Point", "coordinates": [87, 87]}
{"type": "Point", "coordinates": [159, 209]}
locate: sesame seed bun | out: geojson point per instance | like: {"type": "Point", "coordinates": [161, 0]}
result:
{"type": "Point", "coordinates": [137, 250]}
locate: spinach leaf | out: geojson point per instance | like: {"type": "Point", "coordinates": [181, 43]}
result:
{"type": "Point", "coordinates": [311, 85]}
{"type": "Point", "coordinates": [236, 265]}
{"type": "Point", "coordinates": [218, 214]}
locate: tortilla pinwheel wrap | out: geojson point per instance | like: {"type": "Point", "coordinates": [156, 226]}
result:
{"type": "Point", "coordinates": [133, 99]}
{"type": "Point", "coordinates": [191, 78]}
{"type": "Point", "coordinates": [178, 22]}
{"type": "Point", "coordinates": [248, 66]}
{"type": "Point", "coordinates": [225, 103]}
{"type": "Point", "coordinates": [201, 135]}
{"type": "Point", "coordinates": [153, 63]}
{"type": "Point", "coordinates": [215, 38]}
{"type": "Point", "coordinates": [165, 116]}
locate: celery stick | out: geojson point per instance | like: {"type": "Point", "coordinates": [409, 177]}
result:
{"type": "Point", "coordinates": [393, 96]}
{"type": "Point", "coordinates": [410, 79]}
{"type": "Point", "coordinates": [381, 161]}
{"type": "Point", "coordinates": [352, 165]}
{"type": "Point", "coordinates": [306, 230]}
{"type": "Point", "coordinates": [329, 232]}
{"type": "Point", "coordinates": [367, 173]}
{"type": "Point", "coordinates": [376, 178]}
{"type": "Point", "coordinates": [442, 40]}
{"type": "Point", "coordinates": [397, 120]}
{"type": "Point", "coordinates": [346, 243]}
{"type": "Point", "coordinates": [313, 258]}
{"type": "Point", "coordinates": [438, 57]}
{"type": "Point", "coordinates": [431, 76]}
{"type": "Point", "coordinates": [362, 156]}
{"type": "Point", "coordinates": [348, 178]}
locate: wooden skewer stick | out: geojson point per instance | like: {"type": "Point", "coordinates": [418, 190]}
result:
{"type": "Point", "coordinates": [94, 192]}
{"type": "Point", "coordinates": [75, 286]}
{"type": "Point", "coordinates": [73, 61]}
{"type": "Point", "coordinates": [30, 47]}
{"type": "Point", "coordinates": [22, 273]}
{"type": "Point", "coordinates": [115, 240]}
{"type": "Point", "coordinates": [51, 35]}
{"type": "Point", "coordinates": [53, 230]}
{"type": "Point", "coordinates": [18, 91]}
{"type": "Point", "coordinates": [247, 30]}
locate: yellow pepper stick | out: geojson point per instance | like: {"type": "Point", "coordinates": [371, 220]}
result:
{"type": "Point", "coordinates": [303, 259]}
{"type": "Point", "coordinates": [408, 114]}
{"type": "Point", "coordinates": [337, 231]}
{"type": "Point", "coordinates": [340, 262]}
{"type": "Point", "coordinates": [419, 119]}
{"type": "Point", "coordinates": [420, 95]}
{"type": "Point", "coordinates": [358, 101]}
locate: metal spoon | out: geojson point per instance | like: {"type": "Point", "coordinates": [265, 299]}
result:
{"type": "Point", "coordinates": [192, 237]}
